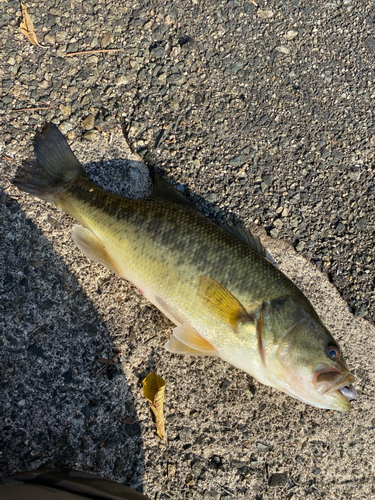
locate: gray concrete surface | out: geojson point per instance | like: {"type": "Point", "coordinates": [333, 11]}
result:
{"type": "Point", "coordinates": [261, 115]}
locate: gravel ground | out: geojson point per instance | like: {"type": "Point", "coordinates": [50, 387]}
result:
{"type": "Point", "coordinates": [260, 114]}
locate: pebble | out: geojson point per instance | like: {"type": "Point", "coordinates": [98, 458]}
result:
{"type": "Point", "coordinates": [289, 35]}
{"type": "Point", "coordinates": [282, 49]}
{"type": "Point", "coordinates": [185, 435]}
{"type": "Point", "coordinates": [265, 14]}
{"type": "Point", "coordinates": [106, 40]}
{"type": "Point", "coordinates": [88, 123]}
{"type": "Point", "coordinates": [262, 447]}
{"type": "Point", "coordinates": [65, 127]}
{"type": "Point", "coordinates": [92, 135]}
{"type": "Point", "coordinates": [238, 160]}
{"type": "Point", "coordinates": [300, 246]}
{"type": "Point", "coordinates": [176, 79]}
{"type": "Point", "coordinates": [278, 479]}
{"type": "Point", "coordinates": [122, 80]}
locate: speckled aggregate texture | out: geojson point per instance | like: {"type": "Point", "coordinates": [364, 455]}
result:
{"type": "Point", "coordinates": [262, 115]}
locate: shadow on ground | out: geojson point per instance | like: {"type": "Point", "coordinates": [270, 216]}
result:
{"type": "Point", "coordinates": [55, 409]}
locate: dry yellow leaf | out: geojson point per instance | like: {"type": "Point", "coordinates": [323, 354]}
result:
{"type": "Point", "coordinates": [153, 390]}
{"type": "Point", "coordinates": [27, 27]}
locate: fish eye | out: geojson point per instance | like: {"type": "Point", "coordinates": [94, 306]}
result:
{"type": "Point", "coordinates": [333, 351]}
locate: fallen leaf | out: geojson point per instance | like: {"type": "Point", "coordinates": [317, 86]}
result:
{"type": "Point", "coordinates": [153, 390]}
{"type": "Point", "coordinates": [27, 27]}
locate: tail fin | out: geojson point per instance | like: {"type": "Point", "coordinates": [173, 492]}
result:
{"type": "Point", "coordinates": [54, 168]}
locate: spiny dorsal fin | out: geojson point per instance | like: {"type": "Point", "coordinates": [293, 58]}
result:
{"type": "Point", "coordinates": [166, 191]}
{"type": "Point", "coordinates": [92, 247]}
{"type": "Point", "coordinates": [246, 237]}
{"type": "Point", "coordinates": [222, 303]}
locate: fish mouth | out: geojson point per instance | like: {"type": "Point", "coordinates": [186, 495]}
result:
{"type": "Point", "coordinates": [349, 392]}
{"type": "Point", "coordinates": [329, 380]}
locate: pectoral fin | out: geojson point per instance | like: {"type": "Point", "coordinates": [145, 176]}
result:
{"type": "Point", "coordinates": [92, 247]}
{"type": "Point", "coordinates": [222, 302]}
{"type": "Point", "coordinates": [176, 347]}
{"type": "Point", "coordinates": [186, 340]}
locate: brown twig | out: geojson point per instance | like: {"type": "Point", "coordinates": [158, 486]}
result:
{"type": "Point", "coordinates": [70, 54]}
{"type": "Point", "coordinates": [10, 185]}
{"type": "Point", "coordinates": [35, 330]}
{"type": "Point", "coordinates": [29, 109]}
{"type": "Point", "coordinates": [104, 367]}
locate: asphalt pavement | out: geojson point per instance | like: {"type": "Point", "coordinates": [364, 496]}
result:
{"type": "Point", "coordinates": [260, 114]}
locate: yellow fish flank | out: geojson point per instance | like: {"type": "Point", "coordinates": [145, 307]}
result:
{"type": "Point", "coordinates": [214, 283]}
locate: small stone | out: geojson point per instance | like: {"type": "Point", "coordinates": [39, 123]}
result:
{"type": "Point", "coordinates": [88, 123]}
{"type": "Point", "coordinates": [282, 49]}
{"type": "Point", "coordinates": [122, 80]}
{"type": "Point", "coordinates": [65, 110]}
{"type": "Point", "coordinates": [236, 66]}
{"type": "Point", "coordinates": [175, 52]}
{"type": "Point", "coordinates": [196, 469]}
{"type": "Point", "coordinates": [362, 311]}
{"type": "Point", "coordinates": [49, 39]}
{"type": "Point", "coordinates": [278, 479]}
{"type": "Point", "coordinates": [224, 385]}
{"type": "Point", "coordinates": [238, 160]}
{"type": "Point", "coordinates": [370, 43]}
{"type": "Point", "coordinates": [265, 14]}
{"type": "Point", "coordinates": [317, 471]}
{"type": "Point", "coordinates": [162, 78]}
{"type": "Point", "coordinates": [44, 84]}
{"type": "Point", "coordinates": [158, 32]}
{"type": "Point", "coordinates": [262, 447]}
{"type": "Point", "coordinates": [300, 246]}
{"type": "Point", "coordinates": [106, 40]}
{"type": "Point", "coordinates": [169, 20]}
{"type": "Point", "coordinates": [355, 176]}
{"type": "Point", "coordinates": [340, 228]}
{"type": "Point", "coordinates": [274, 233]}
{"type": "Point", "coordinates": [185, 434]}
{"type": "Point", "coordinates": [65, 127]}
{"type": "Point", "coordinates": [135, 128]}
{"type": "Point", "coordinates": [211, 494]}
{"type": "Point", "coordinates": [158, 52]}
{"type": "Point", "coordinates": [92, 135]}
{"type": "Point", "coordinates": [289, 35]}
{"type": "Point", "coordinates": [176, 79]}
{"type": "Point", "coordinates": [362, 224]}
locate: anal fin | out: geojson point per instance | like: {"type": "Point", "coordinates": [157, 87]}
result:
{"type": "Point", "coordinates": [92, 247]}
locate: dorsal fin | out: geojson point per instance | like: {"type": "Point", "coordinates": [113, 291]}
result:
{"type": "Point", "coordinates": [166, 191]}
{"type": "Point", "coordinates": [246, 237]}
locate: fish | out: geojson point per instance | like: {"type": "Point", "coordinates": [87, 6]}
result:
{"type": "Point", "coordinates": [214, 282]}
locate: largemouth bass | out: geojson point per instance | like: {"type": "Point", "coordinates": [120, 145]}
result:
{"type": "Point", "coordinates": [214, 283]}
